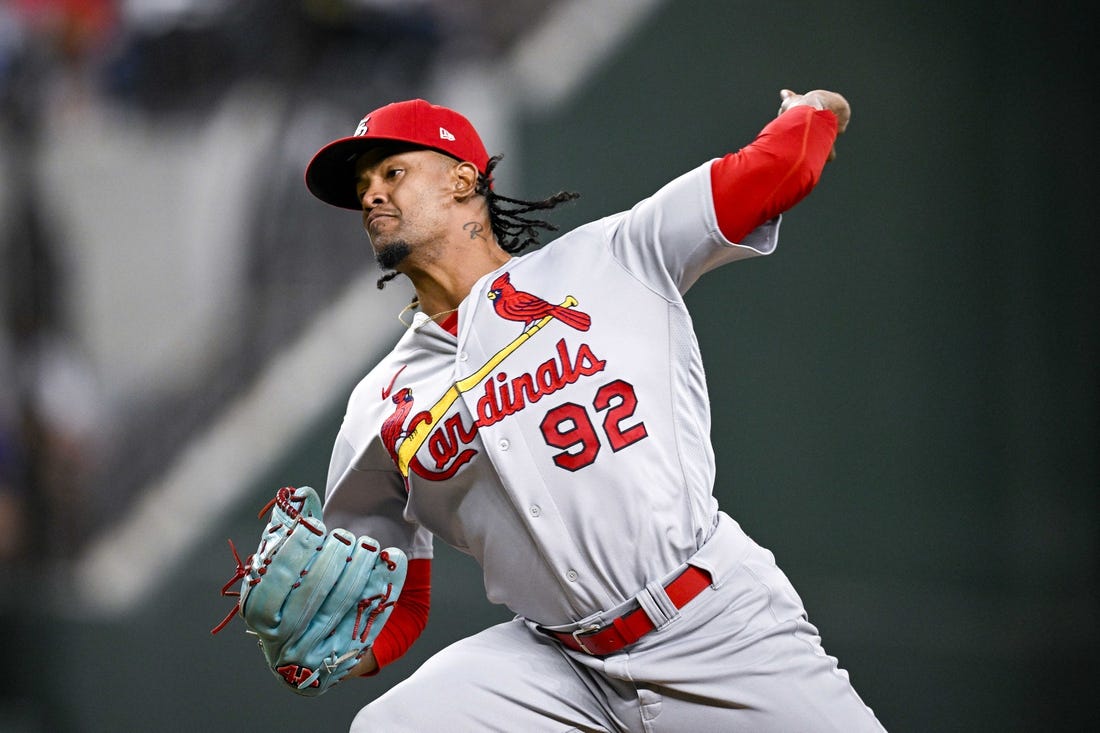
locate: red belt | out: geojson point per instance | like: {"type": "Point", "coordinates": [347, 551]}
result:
{"type": "Point", "coordinates": [630, 627]}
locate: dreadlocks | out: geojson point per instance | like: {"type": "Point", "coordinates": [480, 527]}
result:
{"type": "Point", "coordinates": [514, 230]}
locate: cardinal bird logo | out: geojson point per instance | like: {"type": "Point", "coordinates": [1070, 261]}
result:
{"type": "Point", "coordinates": [516, 305]}
{"type": "Point", "coordinates": [393, 427]}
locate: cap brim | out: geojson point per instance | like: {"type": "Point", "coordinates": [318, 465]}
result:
{"type": "Point", "coordinates": [330, 176]}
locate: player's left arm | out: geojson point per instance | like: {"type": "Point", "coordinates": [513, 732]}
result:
{"type": "Point", "coordinates": [781, 166]}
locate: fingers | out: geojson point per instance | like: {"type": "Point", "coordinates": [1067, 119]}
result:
{"type": "Point", "coordinates": [819, 99]}
{"type": "Point", "coordinates": [835, 103]}
{"type": "Point", "coordinates": [785, 95]}
{"type": "Point", "coordinates": [793, 99]}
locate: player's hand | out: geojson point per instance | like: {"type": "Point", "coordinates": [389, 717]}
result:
{"type": "Point", "coordinates": [367, 665]}
{"type": "Point", "coordinates": [819, 99]}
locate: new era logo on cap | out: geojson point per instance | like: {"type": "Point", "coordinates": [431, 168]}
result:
{"type": "Point", "coordinates": [444, 134]}
{"type": "Point", "coordinates": [362, 128]}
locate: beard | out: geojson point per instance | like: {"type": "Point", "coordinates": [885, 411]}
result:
{"type": "Point", "coordinates": [391, 255]}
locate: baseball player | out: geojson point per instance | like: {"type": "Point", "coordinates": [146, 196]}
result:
{"type": "Point", "coordinates": [548, 414]}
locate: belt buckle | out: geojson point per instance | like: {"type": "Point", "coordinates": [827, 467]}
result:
{"type": "Point", "coordinates": [586, 631]}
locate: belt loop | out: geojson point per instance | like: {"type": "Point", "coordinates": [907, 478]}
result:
{"type": "Point", "coordinates": [657, 605]}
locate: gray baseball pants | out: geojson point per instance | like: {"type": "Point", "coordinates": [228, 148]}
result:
{"type": "Point", "coordinates": [741, 656]}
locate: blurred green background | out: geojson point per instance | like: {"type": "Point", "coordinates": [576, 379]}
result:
{"type": "Point", "coordinates": [904, 395]}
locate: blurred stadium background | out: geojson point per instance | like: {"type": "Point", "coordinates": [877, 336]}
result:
{"type": "Point", "coordinates": [906, 394]}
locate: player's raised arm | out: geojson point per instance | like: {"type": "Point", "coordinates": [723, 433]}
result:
{"type": "Point", "coordinates": [782, 165]}
{"type": "Point", "coordinates": [728, 209]}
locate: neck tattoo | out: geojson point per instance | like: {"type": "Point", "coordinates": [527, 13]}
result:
{"type": "Point", "coordinates": [475, 229]}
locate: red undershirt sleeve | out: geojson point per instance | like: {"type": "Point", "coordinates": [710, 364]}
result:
{"type": "Point", "coordinates": [409, 616]}
{"type": "Point", "coordinates": [774, 172]}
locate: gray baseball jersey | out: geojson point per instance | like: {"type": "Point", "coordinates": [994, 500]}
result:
{"type": "Point", "coordinates": [562, 438]}
{"type": "Point", "coordinates": [570, 453]}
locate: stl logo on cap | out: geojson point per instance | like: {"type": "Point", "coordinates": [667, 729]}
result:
{"type": "Point", "coordinates": [362, 128]}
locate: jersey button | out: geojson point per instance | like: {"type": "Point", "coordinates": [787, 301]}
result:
{"type": "Point", "coordinates": [536, 510]}
{"type": "Point", "coordinates": [503, 444]}
{"type": "Point", "coordinates": [463, 356]}
{"type": "Point", "coordinates": [571, 576]}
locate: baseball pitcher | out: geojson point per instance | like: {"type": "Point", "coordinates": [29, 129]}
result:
{"type": "Point", "coordinates": [547, 413]}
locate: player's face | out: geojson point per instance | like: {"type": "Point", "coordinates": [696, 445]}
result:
{"type": "Point", "coordinates": [404, 194]}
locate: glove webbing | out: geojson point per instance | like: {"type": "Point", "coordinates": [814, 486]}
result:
{"type": "Point", "coordinates": [282, 498]}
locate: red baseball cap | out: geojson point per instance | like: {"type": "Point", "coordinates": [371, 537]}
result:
{"type": "Point", "coordinates": [330, 176]}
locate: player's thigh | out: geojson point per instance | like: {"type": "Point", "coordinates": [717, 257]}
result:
{"type": "Point", "coordinates": [790, 684]}
{"type": "Point", "coordinates": [502, 679]}
{"type": "Point", "coordinates": [743, 657]}
{"type": "Point", "coordinates": [797, 686]}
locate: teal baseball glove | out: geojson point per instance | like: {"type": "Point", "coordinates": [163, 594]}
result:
{"type": "Point", "coordinates": [315, 598]}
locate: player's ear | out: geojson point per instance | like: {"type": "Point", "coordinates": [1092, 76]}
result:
{"type": "Point", "coordinates": [464, 179]}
